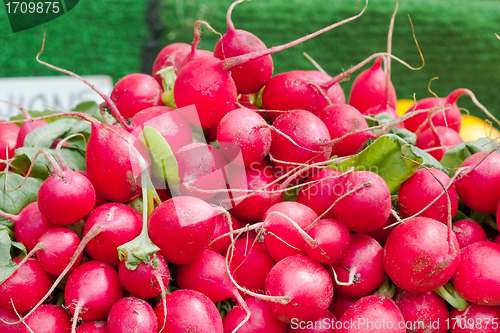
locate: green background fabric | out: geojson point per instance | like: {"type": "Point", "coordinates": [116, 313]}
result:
{"type": "Point", "coordinates": [457, 38]}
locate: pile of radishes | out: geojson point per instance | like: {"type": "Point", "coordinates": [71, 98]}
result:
{"type": "Point", "coordinates": [225, 199]}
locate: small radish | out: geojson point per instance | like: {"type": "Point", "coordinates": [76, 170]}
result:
{"type": "Point", "coordinates": [252, 263]}
{"type": "Point", "coordinates": [201, 170]}
{"type": "Point", "coordinates": [169, 123]}
{"type": "Point", "coordinates": [26, 128]}
{"type": "Point", "coordinates": [47, 318]}
{"type": "Point", "coordinates": [29, 225]}
{"type": "Point", "coordinates": [324, 324]}
{"type": "Point", "coordinates": [261, 320]}
{"type": "Point", "coordinates": [361, 271]}
{"type": "Point", "coordinates": [170, 55]}
{"type": "Point", "coordinates": [446, 112]}
{"type": "Point", "coordinates": [374, 313]}
{"type": "Point", "coordinates": [439, 136]}
{"type": "Point", "coordinates": [146, 281]}
{"type": "Point", "coordinates": [66, 196]}
{"type": "Point", "coordinates": [222, 227]}
{"type": "Point", "coordinates": [477, 277]}
{"type": "Point", "coordinates": [332, 238]}
{"type": "Point", "coordinates": [8, 141]}
{"type": "Point", "coordinates": [381, 234]}
{"type": "Point", "coordinates": [99, 326]}
{"type": "Point", "coordinates": [372, 202]}
{"type": "Point", "coordinates": [244, 131]}
{"type": "Point", "coordinates": [182, 227]}
{"type": "Point", "coordinates": [26, 287]}
{"type": "Point", "coordinates": [320, 191]}
{"type": "Point", "coordinates": [480, 188]}
{"type": "Point", "coordinates": [136, 92]}
{"type": "Point", "coordinates": [342, 119]}
{"type": "Point", "coordinates": [428, 311]}
{"type": "Point", "coordinates": [282, 237]}
{"type": "Point", "coordinates": [118, 225]}
{"type": "Point", "coordinates": [131, 314]}
{"type": "Point", "coordinates": [421, 254]}
{"type": "Point", "coordinates": [91, 290]}
{"type": "Point", "coordinates": [418, 191]}
{"type": "Point", "coordinates": [310, 136]}
{"type": "Point", "coordinates": [259, 177]}
{"type": "Point", "coordinates": [249, 77]}
{"type": "Point", "coordinates": [340, 303]}
{"type": "Point", "coordinates": [368, 89]}
{"type": "Point", "coordinates": [208, 82]}
{"type": "Point", "coordinates": [203, 316]}
{"type": "Point", "coordinates": [468, 232]}
{"type": "Point", "coordinates": [474, 319]}
{"type": "Point", "coordinates": [305, 282]}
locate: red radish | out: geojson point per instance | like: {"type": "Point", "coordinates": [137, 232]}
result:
{"type": "Point", "coordinates": [244, 131]}
{"type": "Point", "coordinates": [438, 136]}
{"type": "Point", "coordinates": [468, 232]}
{"type": "Point", "coordinates": [320, 191]}
{"type": "Point", "coordinates": [421, 254]}
{"type": "Point", "coordinates": [26, 287]}
{"type": "Point", "coordinates": [182, 227]}
{"type": "Point", "coordinates": [374, 313]}
{"type": "Point", "coordinates": [306, 283]}
{"type": "Point", "coordinates": [480, 188]}
{"type": "Point", "coordinates": [29, 225]}
{"type": "Point", "coordinates": [259, 177]}
{"type": "Point", "coordinates": [195, 53]}
{"type": "Point", "coordinates": [203, 316]}
{"type": "Point", "coordinates": [477, 277]}
{"type": "Point", "coordinates": [201, 170]}
{"type": "Point", "coordinates": [342, 119]}
{"type": "Point", "coordinates": [208, 82]}
{"type": "Point", "coordinates": [340, 303]}
{"type": "Point", "coordinates": [91, 291]}
{"type": "Point", "coordinates": [252, 263]}
{"type": "Point", "coordinates": [93, 327]}
{"type": "Point", "coordinates": [427, 311]}
{"type": "Point", "coordinates": [6, 318]}
{"type": "Point", "coordinates": [251, 76]}
{"type": "Point", "coordinates": [8, 140]}
{"type": "Point", "coordinates": [324, 324]}
{"type": "Point", "coordinates": [361, 271]}
{"type": "Point", "coordinates": [170, 55]}
{"type": "Point", "coordinates": [381, 234]}
{"type": "Point", "coordinates": [131, 314]}
{"type": "Point", "coordinates": [26, 128]}
{"type": "Point", "coordinates": [372, 202]}
{"type": "Point", "coordinates": [310, 136]}
{"type": "Point", "coordinates": [261, 320]}
{"type": "Point", "coordinates": [334, 92]}
{"type": "Point", "coordinates": [136, 92]}
{"type": "Point", "coordinates": [118, 225]}
{"type": "Point", "coordinates": [332, 238]}
{"type": "Point", "coordinates": [66, 196]}
{"type": "Point", "coordinates": [474, 319]}
{"type": "Point", "coordinates": [418, 191]}
{"type": "Point", "coordinates": [296, 90]}
{"type": "Point", "coordinates": [282, 237]}
{"type": "Point", "coordinates": [368, 89]}
{"type": "Point", "coordinates": [146, 281]}
{"type": "Point", "coordinates": [55, 249]}
{"type": "Point", "coordinates": [446, 112]}
{"type": "Point", "coordinates": [47, 318]}
{"type": "Point", "coordinates": [208, 275]}
{"type": "Point", "coordinates": [222, 227]}
{"type": "Point", "coordinates": [168, 122]}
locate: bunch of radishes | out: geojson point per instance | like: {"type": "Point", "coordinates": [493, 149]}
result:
{"type": "Point", "coordinates": [303, 214]}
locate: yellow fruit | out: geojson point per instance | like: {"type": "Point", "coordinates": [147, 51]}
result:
{"type": "Point", "coordinates": [403, 105]}
{"type": "Point", "coordinates": [474, 128]}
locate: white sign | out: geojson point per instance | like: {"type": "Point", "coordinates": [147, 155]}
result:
{"type": "Point", "coordinates": [40, 93]}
